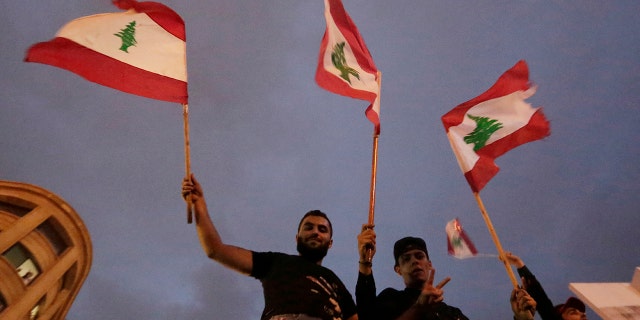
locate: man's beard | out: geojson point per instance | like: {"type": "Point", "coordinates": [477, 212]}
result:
{"type": "Point", "coordinates": [312, 254]}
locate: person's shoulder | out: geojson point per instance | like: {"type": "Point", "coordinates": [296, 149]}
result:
{"type": "Point", "coordinates": [451, 310]}
{"type": "Point", "coordinates": [266, 257]}
{"type": "Point", "coordinates": [264, 261]}
{"type": "Point", "coordinates": [389, 292]}
{"type": "Point", "coordinates": [287, 259]}
{"type": "Point", "coordinates": [269, 253]}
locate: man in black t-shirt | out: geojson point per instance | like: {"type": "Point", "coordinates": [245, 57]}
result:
{"type": "Point", "coordinates": [419, 300]}
{"type": "Point", "coordinates": [294, 286]}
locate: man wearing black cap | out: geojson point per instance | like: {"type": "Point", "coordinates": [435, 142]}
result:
{"type": "Point", "coordinates": [419, 300]}
{"type": "Point", "coordinates": [572, 309]}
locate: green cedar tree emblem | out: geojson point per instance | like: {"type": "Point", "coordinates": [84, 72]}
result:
{"type": "Point", "coordinates": [128, 36]}
{"type": "Point", "coordinates": [485, 127]}
{"type": "Point", "coordinates": [456, 242]}
{"type": "Point", "coordinates": [340, 62]}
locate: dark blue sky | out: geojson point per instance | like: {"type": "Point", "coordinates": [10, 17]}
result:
{"type": "Point", "coordinates": [268, 145]}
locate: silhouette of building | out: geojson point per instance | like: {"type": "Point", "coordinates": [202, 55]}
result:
{"type": "Point", "coordinates": [46, 253]}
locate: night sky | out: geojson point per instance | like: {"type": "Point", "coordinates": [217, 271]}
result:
{"type": "Point", "coordinates": [268, 144]}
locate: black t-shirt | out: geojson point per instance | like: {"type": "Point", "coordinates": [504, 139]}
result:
{"type": "Point", "coordinates": [293, 285]}
{"type": "Point", "coordinates": [395, 302]}
{"type": "Point", "coordinates": [392, 303]}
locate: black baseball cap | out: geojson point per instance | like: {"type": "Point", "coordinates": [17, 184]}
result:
{"type": "Point", "coordinates": [409, 243]}
{"type": "Point", "coordinates": [572, 302]}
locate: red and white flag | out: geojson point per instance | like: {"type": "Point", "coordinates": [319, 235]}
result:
{"type": "Point", "coordinates": [489, 125]}
{"type": "Point", "coordinates": [458, 243]}
{"type": "Point", "coordinates": [141, 51]}
{"type": "Point", "coordinates": [345, 65]}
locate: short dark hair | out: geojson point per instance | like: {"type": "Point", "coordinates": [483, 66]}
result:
{"type": "Point", "coordinates": [317, 213]}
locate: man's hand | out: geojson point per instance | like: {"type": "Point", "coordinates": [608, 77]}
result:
{"type": "Point", "coordinates": [513, 259]}
{"type": "Point", "coordinates": [430, 294]}
{"type": "Point", "coordinates": [522, 304]}
{"type": "Point", "coordinates": [191, 189]}
{"type": "Point", "coordinates": [367, 243]}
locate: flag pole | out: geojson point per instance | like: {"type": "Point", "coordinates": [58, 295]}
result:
{"type": "Point", "coordinates": [187, 156]}
{"type": "Point", "coordinates": [374, 171]}
{"type": "Point", "coordinates": [494, 235]}
{"type": "Point", "coordinates": [374, 158]}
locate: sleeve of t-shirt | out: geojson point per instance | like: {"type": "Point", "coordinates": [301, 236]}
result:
{"type": "Point", "coordinates": [262, 262]}
{"type": "Point", "coordinates": [545, 307]}
{"type": "Point", "coordinates": [390, 304]}
{"type": "Point", "coordinates": [366, 296]}
{"type": "Point", "coordinates": [347, 305]}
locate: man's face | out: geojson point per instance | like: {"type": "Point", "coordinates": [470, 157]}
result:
{"type": "Point", "coordinates": [413, 266]}
{"type": "Point", "coordinates": [314, 238]}
{"type": "Point", "coordinates": [573, 314]}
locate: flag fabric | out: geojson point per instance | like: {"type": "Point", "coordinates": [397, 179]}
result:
{"type": "Point", "coordinates": [141, 51]}
{"type": "Point", "coordinates": [458, 243]}
{"type": "Point", "coordinates": [489, 125]}
{"type": "Point", "coordinates": [345, 65]}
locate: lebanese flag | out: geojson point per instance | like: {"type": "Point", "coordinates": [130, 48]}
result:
{"type": "Point", "coordinates": [141, 51]}
{"type": "Point", "coordinates": [458, 243]}
{"type": "Point", "coordinates": [489, 125]}
{"type": "Point", "coordinates": [345, 65]}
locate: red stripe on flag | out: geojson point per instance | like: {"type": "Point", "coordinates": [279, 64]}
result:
{"type": "Point", "coordinates": [537, 128]}
{"type": "Point", "coordinates": [159, 13]}
{"type": "Point", "coordinates": [374, 117]}
{"type": "Point", "coordinates": [104, 70]}
{"type": "Point", "coordinates": [483, 171]}
{"type": "Point", "coordinates": [468, 242]}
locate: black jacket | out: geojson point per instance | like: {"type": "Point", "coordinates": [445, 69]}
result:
{"type": "Point", "coordinates": [392, 303]}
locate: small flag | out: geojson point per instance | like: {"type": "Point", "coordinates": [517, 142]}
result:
{"type": "Point", "coordinates": [345, 65]}
{"type": "Point", "coordinates": [141, 51]}
{"type": "Point", "coordinates": [458, 243]}
{"type": "Point", "coordinates": [489, 125]}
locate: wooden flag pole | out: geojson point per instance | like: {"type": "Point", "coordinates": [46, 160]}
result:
{"type": "Point", "coordinates": [494, 235]}
{"type": "Point", "coordinates": [187, 156]}
{"type": "Point", "coordinates": [374, 172]}
{"type": "Point", "coordinates": [487, 220]}
{"type": "Point", "coordinates": [372, 189]}
{"type": "Point", "coordinates": [374, 159]}
{"type": "Point", "coordinates": [374, 169]}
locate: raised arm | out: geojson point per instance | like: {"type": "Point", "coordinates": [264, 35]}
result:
{"type": "Point", "coordinates": [366, 248]}
{"type": "Point", "coordinates": [233, 257]}
{"type": "Point", "coordinates": [366, 286]}
{"type": "Point", "coordinates": [533, 287]}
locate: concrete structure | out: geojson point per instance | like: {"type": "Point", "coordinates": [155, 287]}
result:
{"type": "Point", "coordinates": [45, 253]}
{"type": "Point", "coordinates": [611, 300]}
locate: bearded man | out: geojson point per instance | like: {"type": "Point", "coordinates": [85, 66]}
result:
{"type": "Point", "coordinates": [294, 286]}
